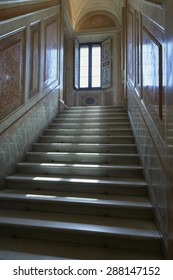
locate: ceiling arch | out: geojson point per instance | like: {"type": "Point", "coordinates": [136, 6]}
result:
{"type": "Point", "coordinates": [80, 8]}
{"type": "Point", "coordinates": [96, 21]}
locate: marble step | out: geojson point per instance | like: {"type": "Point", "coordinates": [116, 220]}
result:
{"type": "Point", "coordinates": [109, 119]}
{"type": "Point", "coordinates": [35, 249]}
{"type": "Point", "coordinates": [94, 108]}
{"type": "Point", "coordinates": [112, 186]}
{"type": "Point", "coordinates": [92, 125]}
{"type": "Point", "coordinates": [85, 148]}
{"type": "Point", "coordinates": [94, 158]}
{"type": "Point", "coordinates": [87, 139]}
{"type": "Point", "coordinates": [86, 170]}
{"type": "Point", "coordinates": [85, 204]}
{"type": "Point", "coordinates": [89, 131]}
{"type": "Point", "coordinates": [92, 114]}
{"type": "Point", "coordinates": [81, 229]}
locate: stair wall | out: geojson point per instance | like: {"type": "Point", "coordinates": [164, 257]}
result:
{"type": "Point", "coordinates": [29, 89]}
{"type": "Point", "coordinates": [146, 99]}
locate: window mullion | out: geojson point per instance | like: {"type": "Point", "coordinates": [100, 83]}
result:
{"type": "Point", "coordinates": [90, 66]}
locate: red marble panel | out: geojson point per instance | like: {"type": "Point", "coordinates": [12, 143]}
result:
{"type": "Point", "coordinates": [34, 60]}
{"type": "Point", "coordinates": [51, 50]}
{"type": "Point", "coordinates": [137, 51]}
{"type": "Point", "coordinates": [11, 73]}
{"type": "Point", "coordinates": [130, 45]}
{"type": "Point", "coordinates": [152, 74]}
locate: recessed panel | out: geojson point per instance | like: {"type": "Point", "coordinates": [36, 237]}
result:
{"type": "Point", "coordinates": [51, 50]}
{"type": "Point", "coordinates": [11, 73]}
{"type": "Point", "coordinates": [34, 60]}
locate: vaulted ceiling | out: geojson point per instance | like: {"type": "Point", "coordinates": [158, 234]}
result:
{"type": "Point", "coordinates": [94, 14]}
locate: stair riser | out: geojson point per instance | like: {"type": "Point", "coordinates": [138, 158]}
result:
{"type": "Point", "coordinates": [89, 126]}
{"type": "Point", "coordinates": [84, 148]}
{"type": "Point", "coordinates": [82, 237]}
{"type": "Point", "coordinates": [91, 120]}
{"type": "Point", "coordinates": [76, 208]}
{"type": "Point", "coordinates": [93, 159]}
{"type": "Point", "coordinates": [94, 110]}
{"type": "Point", "coordinates": [87, 172]}
{"type": "Point", "coordinates": [115, 132]}
{"type": "Point", "coordinates": [87, 139]}
{"type": "Point", "coordinates": [76, 187]}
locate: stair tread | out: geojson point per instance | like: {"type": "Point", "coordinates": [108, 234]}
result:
{"type": "Point", "coordinates": [120, 227]}
{"type": "Point", "coordinates": [93, 123]}
{"type": "Point", "coordinates": [95, 197]}
{"type": "Point", "coordinates": [107, 200]}
{"type": "Point", "coordinates": [83, 154]}
{"type": "Point", "coordinates": [88, 136]}
{"type": "Point", "coordinates": [84, 144]}
{"type": "Point", "coordinates": [124, 116]}
{"type": "Point", "coordinates": [27, 249]}
{"type": "Point", "coordinates": [104, 166]}
{"type": "Point", "coordinates": [78, 179]}
{"type": "Point", "coordinates": [91, 129]}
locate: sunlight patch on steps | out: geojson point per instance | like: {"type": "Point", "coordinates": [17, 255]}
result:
{"type": "Point", "coordinates": [69, 165]}
{"type": "Point", "coordinates": [40, 196]}
{"type": "Point", "coordinates": [54, 197]}
{"type": "Point", "coordinates": [65, 153]}
{"type": "Point", "coordinates": [74, 180]}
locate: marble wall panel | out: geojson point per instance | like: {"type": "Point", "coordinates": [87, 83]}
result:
{"type": "Point", "coordinates": [137, 52]}
{"type": "Point", "coordinates": [152, 69]}
{"type": "Point", "coordinates": [51, 50]}
{"type": "Point", "coordinates": [11, 72]}
{"type": "Point", "coordinates": [130, 45]}
{"type": "Point", "coordinates": [34, 59]}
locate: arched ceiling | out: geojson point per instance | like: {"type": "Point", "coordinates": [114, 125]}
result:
{"type": "Point", "coordinates": [80, 9]}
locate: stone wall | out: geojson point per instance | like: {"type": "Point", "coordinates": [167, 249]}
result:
{"type": "Point", "coordinates": [146, 99]}
{"type": "Point", "coordinates": [29, 81]}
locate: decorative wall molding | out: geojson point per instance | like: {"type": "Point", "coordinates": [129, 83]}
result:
{"type": "Point", "coordinates": [130, 48]}
{"type": "Point", "coordinates": [34, 59]}
{"type": "Point", "coordinates": [51, 50]}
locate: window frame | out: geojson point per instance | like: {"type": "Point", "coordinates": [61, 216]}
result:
{"type": "Point", "coordinates": [90, 45]}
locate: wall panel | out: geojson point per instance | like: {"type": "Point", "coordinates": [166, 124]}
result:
{"type": "Point", "coordinates": [152, 69]}
{"type": "Point", "coordinates": [51, 52]}
{"type": "Point", "coordinates": [11, 72]}
{"type": "Point", "coordinates": [130, 48]}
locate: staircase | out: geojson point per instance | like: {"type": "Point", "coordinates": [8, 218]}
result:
{"type": "Point", "coordinates": [80, 194]}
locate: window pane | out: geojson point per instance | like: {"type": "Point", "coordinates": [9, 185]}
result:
{"type": "Point", "coordinates": [96, 82]}
{"type": "Point", "coordinates": [96, 66]}
{"type": "Point", "coordinates": [84, 61]}
{"type": "Point", "coordinates": [83, 82]}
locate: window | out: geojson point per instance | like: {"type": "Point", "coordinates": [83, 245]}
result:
{"type": "Point", "coordinates": [90, 66]}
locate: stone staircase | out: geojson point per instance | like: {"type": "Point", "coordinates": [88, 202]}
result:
{"type": "Point", "coordinates": [80, 194]}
